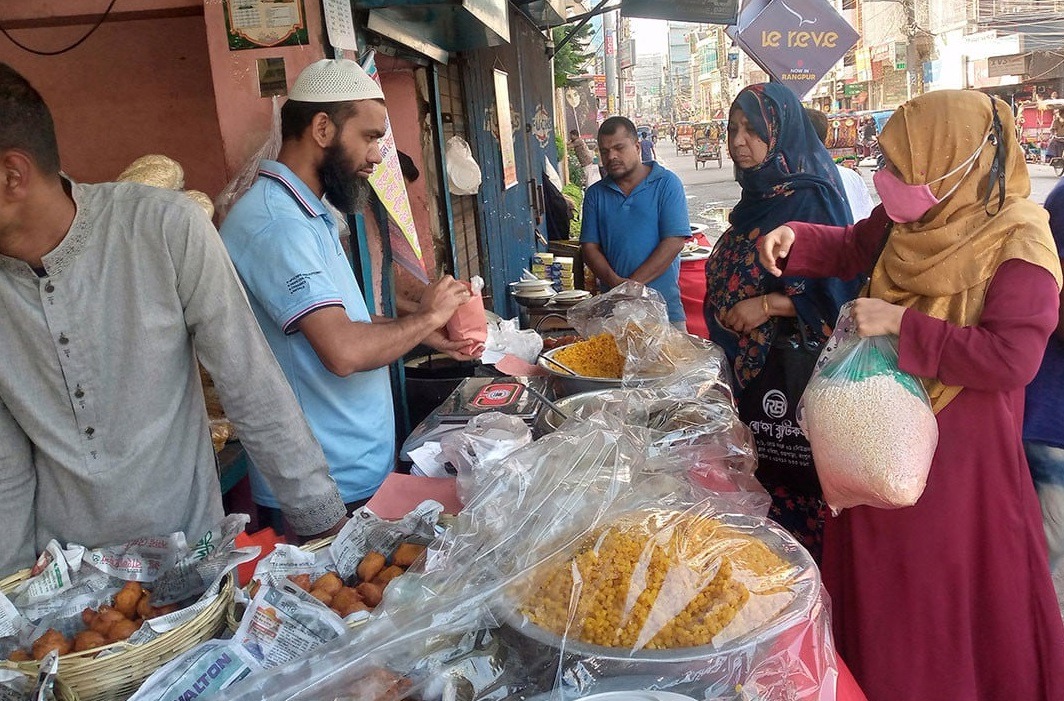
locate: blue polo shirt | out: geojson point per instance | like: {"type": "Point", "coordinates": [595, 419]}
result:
{"type": "Point", "coordinates": [629, 228]}
{"type": "Point", "coordinates": [286, 247]}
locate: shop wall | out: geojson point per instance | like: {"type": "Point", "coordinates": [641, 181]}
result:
{"type": "Point", "coordinates": [136, 86]}
{"type": "Point", "coordinates": [510, 224]}
{"type": "Point", "coordinates": [243, 115]}
{"type": "Point", "coordinates": [408, 113]}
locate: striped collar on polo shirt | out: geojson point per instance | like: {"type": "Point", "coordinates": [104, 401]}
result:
{"type": "Point", "coordinates": [282, 174]}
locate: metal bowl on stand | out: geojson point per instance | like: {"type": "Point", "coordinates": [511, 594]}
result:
{"type": "Point", "coordinates": [771, 622]}
{"type": "Point", "coordinates": [566, 384]}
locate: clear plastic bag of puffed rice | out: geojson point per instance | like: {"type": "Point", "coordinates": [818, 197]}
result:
{"type": "Point", "coordinates": [869, 423]}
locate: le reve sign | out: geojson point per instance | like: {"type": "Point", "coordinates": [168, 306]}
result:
{"type": "Point", "coordinates": [796, 41]}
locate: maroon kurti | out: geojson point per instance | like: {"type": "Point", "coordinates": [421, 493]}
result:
{"type": "Point", "coordinates": [951, 599]}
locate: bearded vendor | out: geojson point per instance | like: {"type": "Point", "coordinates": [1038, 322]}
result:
{"type": "Point", "coordinates": [285, 244]}
{"type": "Point", "coordinates": [109, 295]}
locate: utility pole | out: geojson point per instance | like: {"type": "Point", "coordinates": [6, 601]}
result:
{"type": "Point", "coordinates": [609, 24]}
{"type": "Point", "coordinates": [913, 69]}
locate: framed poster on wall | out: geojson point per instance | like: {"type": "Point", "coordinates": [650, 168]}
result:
{"type": "Point", "coordinates": [253, 24]}
{"type": "Point", "coordinates": [506, 129]}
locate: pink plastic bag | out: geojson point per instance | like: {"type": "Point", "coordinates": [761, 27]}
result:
{"type": "Point", "coordinates": [469, 324]}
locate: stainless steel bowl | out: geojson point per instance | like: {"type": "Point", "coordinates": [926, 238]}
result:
{"type": "Point", "coordinates": [579, 405]}
{"type": "Point", "coordinates": [758, 640]}
{"type": "Point", "coordinates": [566, 384]}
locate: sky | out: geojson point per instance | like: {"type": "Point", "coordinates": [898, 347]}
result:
{"type": "Point", "coordinates": [651, 36]}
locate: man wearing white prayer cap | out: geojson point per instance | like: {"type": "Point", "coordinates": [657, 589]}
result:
{"type": "Point", "coordinates": [285, 245]}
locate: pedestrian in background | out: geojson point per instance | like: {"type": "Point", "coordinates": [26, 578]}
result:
{"type": "Point", "coordinates": [857, 195]}
{"type": "Point", "coordinates": [1043, 416]}
{"type": "Point", "coordinates": [785, 173]}
{"type": "Point", "coordinates": [646, 148]}
{"type": "Point", "coordinates": [950, 598]}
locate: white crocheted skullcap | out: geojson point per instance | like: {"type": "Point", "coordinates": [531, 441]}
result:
{"type": "Point", "coordinates": [334, 80]}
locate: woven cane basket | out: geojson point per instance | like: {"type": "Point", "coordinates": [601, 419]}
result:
{"type": "Point", "coordinates": [115, 677]}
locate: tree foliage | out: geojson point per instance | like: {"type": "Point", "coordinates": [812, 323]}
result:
{"type": "Point", "coordinates": [573, 58]}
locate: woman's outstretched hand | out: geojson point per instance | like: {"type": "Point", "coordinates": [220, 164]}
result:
{"type": "Point", "coordinates": [774, 245]}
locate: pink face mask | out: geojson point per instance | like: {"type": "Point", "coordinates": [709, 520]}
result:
{"type": "Point", "coordinates": [903, 202]}
{"type": "Point", "coordinates": [907, 203]}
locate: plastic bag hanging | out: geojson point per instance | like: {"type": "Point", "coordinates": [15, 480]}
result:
{"type": "Point", "coordinates": [869, 423]}
{"type": "Point", "coordinates": [244, 178]}
{"type": "Point", "coordinates": [463, 173]}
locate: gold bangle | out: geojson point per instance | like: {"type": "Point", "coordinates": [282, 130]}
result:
{"type": "Point", "coordinates": [764, 305]}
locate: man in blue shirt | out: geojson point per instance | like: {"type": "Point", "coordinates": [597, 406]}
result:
{"type": "Point", "coordinates": [1043, 424]}
{"type": "Point", "coordinates": [635, 220]}
{"type": "Point", "coordinates": [285, 246]}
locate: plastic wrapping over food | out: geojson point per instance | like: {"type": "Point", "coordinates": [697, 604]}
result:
{"type": "Point", "coordinates": [586, 562]}
{"type": "Point", "coordinates": [870, 424]}
{"type": "Point", "coordinates": [147, 587]}
{"type": "Point", "coordinates": [486, 438]}
{"type": "Point", "coordinates": [654, 351]}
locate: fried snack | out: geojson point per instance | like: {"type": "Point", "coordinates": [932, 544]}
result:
{"type": "Point", "coordinates": [387, 574]}
{"type": "Point", "coordinates": [127, 599]}
{"type": "Point", "coordinates": [20, 656]}
{"type": "Point", "coordinates": [371, 593]}
{"type": "Point", "coordinates": [105, 618]}
{"type": "Point", "coordinates": [144, 607]}
{"type": "Point", "coordinates": [88, 616]}
{"type": "Point", "coordinates": [407, 554]}
{"type": "Point", "coordinates": [353, 607]}
{"type": "Point", "coordinates": [345, 597]}
{"type": "Point", "coordinates": [329, 582]}
{"type": "Point", "coordinates": [122, 630]}
{"type": "Point", "coordinates": [370, 566]}
{"type": "Point", "coordinates": [52, 639]}
{"type": "Point", "coordinates": [301, 580]}
{"type": "Point", "coordinates": [322, 596]}
{"type": "Point", "coordinates": [669, 581]}
{"type": "Point", "coordinates": [380, 684]}
{"type": "Point", "coordinates": [598, 356]}
{"type": "Point", "coordinates": [87, 640]}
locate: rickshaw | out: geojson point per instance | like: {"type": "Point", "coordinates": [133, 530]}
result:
{"type": "Point", "coordinates": [707, 144]}
{"type": "Point", "coordinates": [685, 137]}
{"type": "Point", "coordinates": [1054, 145]}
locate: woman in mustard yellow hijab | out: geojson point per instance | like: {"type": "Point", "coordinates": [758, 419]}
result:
{"type": "Point", "coordinates": [950, 598]}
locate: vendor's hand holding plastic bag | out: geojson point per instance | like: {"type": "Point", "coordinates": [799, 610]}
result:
{"type": "Point", "coordinates": [869, 423]}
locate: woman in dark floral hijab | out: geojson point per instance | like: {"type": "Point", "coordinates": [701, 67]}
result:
{"type": "Point", "coordinates": [786, 174]}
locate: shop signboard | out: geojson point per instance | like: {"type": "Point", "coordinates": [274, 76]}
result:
{"type": "Point", "coordinates": [701, 11]}
{"type": "Point", "coordinates": [600, 86]}
{"type": "Point", "coordinates": [626, 56]}
{"type": "Point", "coordinates": [998, 66]}
{"type": "Point", "coordinates": [901, 53]}
{"type": "Point", "coordinates": [797, 41]}
{"type": "Point", "coordinates": [853, 89]}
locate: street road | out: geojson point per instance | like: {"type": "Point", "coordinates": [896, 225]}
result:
{"type": "Point", "coordinates": [712, 191]}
